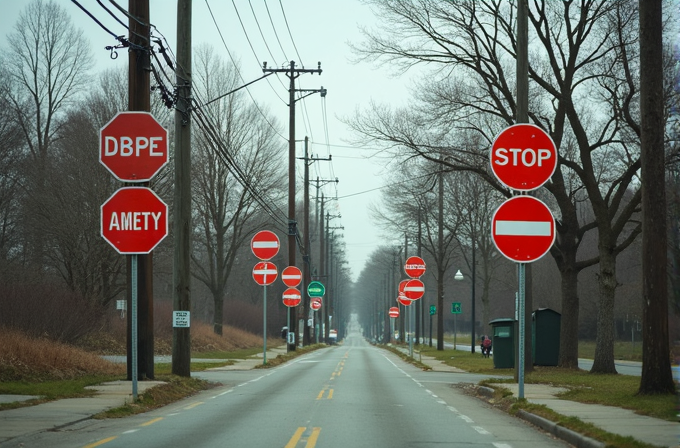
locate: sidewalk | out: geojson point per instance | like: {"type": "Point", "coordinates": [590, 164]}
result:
{"type": "Point", "coordinates": [60, 413]}
{"type": "Point", "coordinates": [611, 419]}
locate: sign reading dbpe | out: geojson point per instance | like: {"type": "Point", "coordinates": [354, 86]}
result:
{"type": "Point", "coordinates": [133, 146]}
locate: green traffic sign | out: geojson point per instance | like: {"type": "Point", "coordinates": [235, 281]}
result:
{"type": "Point", "coordinates": [433, 310]}
{"type": "Point", "coordinates": [316, 289]}
{"type": "Point", "coordinates": [456, 308]}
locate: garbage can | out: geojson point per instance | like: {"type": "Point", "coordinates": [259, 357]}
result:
{"type": "Point", "coordinates": [545, 336]}
{"type": "Point", "coordinates": [503, 339]}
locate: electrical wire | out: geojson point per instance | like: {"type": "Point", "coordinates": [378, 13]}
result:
{"type": "Point", "coordinates": [119, 38]}
{"type": "Point", "coordinates": [275, 33]}
{"type": "Point", "coordinates": [290, 34]}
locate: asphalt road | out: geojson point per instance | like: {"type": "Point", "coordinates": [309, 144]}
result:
{"type": "Point", "coordinates": [353, 395]}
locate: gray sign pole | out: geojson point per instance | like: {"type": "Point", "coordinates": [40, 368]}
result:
{"type": "Point", "coordinates": [264, 352]}
{"type": "Point", "coordinates": [410, 329]}
{"type": "Point", "coordinates": [521, 330]}
{"type": "Point", "coordinates": [133, 267]}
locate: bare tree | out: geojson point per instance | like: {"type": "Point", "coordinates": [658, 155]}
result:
{"type": "Point", "coordinates": [582, 91]}
{"type": "Point", "coordinates": [226, 210]}
{"type": "Point", "coordinates": [48, 61]}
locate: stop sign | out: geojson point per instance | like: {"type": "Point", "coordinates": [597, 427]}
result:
{"type": "Point", "coordinates": [523, 229]}
{"type": "Point", "coordinates": [315, 303]}
{"type": "Point", "coordinates": [133, 146]}
{"type": "Point", "coordinates": [394, 311]}
{"type": "Point", "coordinates": [414, 289]}
{"type": "Point", "coordinates": [291, 276]}
{"type": "Point", "coordinates": [264, 273]}
{"type": "Point", "coordinates": [134, 220]}
{"type": "Point", "coordinates": [414, 267]}
{"type": "Point", "coordinates": [291, 297]}
{"type": "Point", "coordinates": [523, 157]}
{"type": "Point", "coordinates": [265, 245]}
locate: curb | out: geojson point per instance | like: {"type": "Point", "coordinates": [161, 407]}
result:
{"type": "Point", "coordinates": [576, 439]}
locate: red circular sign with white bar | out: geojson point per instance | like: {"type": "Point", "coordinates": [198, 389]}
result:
{"type": "Point", "coordinates": [414, 289]}
{"type": "Point", "coordinates": [265, 245]}
{"type": "Point", "coordinates": [394, 312]}
{"type": "Point", "coordinates": [315, 303]}
{"type": "Point", "coordinates": [414, 267]}
{"type": "Point", "coordinates": [264, 273]}
{"type": "Point", "coordinates": [291, 276]}
{"type": "Point", "coordinates": [291, 297]}
{"type": "Point", "coordinates": [403, 300]}
{"type": "Point", "coordinates": [523, 229]}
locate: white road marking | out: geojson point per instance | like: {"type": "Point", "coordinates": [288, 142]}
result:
{"type": "Point", "coordinates": [502, 445]}
{"type": "Point", "coordinates": [481, 430]}
{"type": "Point", "coordinates": [466, 418]}
{"type": "Point", "coordinates": [452, 409]}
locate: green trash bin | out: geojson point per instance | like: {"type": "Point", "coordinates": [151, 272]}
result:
{"type": "Point", "coordinates": [545, 336]}
{"type": "Point", "coordinates": [503, 339]}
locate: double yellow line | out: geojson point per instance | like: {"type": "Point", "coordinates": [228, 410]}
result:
{"type": "Point", "coordinates": [311, 439]}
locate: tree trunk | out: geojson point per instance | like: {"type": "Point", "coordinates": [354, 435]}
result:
{"type": "Point", "coordinates": [604, 342]}
{"type": "Point", "coordinates": [569, 320]}
{"type": "Point", "coordinates": [218, 318]}
{"type": "Point", "coordinates": [440, 309]}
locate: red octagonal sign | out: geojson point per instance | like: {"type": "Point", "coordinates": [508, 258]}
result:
{"type": "Point", "coordinates": [523, 157]}
{"type": "Point", "coordinates": [134, 220]}
{"type": "Point", "coordinates": [133, 146]}
{"type": "Point", "coordinates": [523, 229]}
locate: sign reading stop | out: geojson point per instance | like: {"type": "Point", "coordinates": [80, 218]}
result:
{"type": "Point", "coordinates": [291, 276]}
{"type": "Point", "coordinates": [394, 312]}
{"type": "Point", "coordinates": [264, 273]}
{"type": "Point", "coordinates": [134, 220]}
{"type": "Point", "coordinates": [414, 289]}
{"type": "Point", "coordinates": [523, 157]}
{"type": "Point", "coordinates": [523, 229]}
{"type": "Point", "coordinates": [265, 245]}
{"type": "Point", "coordinates": [414, 267]}
{"type": "Point", "coordinates": [133, 146]}
{"type": "Point", "coordinates": [315, 303]}
{"type": "Point", "coordinates": [291, 297]}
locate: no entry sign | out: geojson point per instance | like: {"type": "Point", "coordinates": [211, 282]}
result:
{"type": "Point", "coordinates": [264, 273]}
{"type": "Point", "coordinates": [265, 245]}
{"type": "Point", "coordinates": [414, 289]}
{"type": "Point", "coordinates": [523, 229]}
{"type": "Point", "coordinates": [315, 303]}
{"type": "Point", "coordinates": [134, 220]}
{"type": "Point", "coordinates": [394, 312]}
{"type": "Point", "coordinates": [414, 267]}
{"type": "Point", "coordinates": [403, 300]}
{"type": "Point", "coordinates": [523, 157]}
{"type": "Point", "coordinates": [291, 276]}
{"type": "Point", "coordinates": [291, 297]}
{"type": "Point", "coordinates": [133, 146]}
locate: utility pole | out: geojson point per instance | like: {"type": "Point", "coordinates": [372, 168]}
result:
{"type": "Point", "coordinates": [181, 299]}
{"type": "Point", "coordinates": [306, 257]}
{"type": "Point", "coordinates": [292, 73]}
{"type": "Point", "coordinates": [139, 99]}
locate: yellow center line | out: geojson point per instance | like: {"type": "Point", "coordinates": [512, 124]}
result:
{"type": "Point", "coordinates": [151, 422]}
{"type": "Point", "coordinates": [101, 442]}
{"type": "Point", "coordinates": [311, 442]}
{"type": "Point", "coordinates": [320, 396]}
{"type": "Point", "coordinates": [193, 405]}
{"type": "Point", "coordinates": [330, 394]}
{"type": "Point", "coordinates": [295, 439]}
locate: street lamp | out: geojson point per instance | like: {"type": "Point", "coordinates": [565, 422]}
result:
{"type": "Point", "coordinates": [459, 276]}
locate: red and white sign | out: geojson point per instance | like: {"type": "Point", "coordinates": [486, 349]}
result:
{"type": "Point", "coordinates": [414, 267]}
{"type": "Point", "coordinates": [134, 220]}
{"type": "Point", "coordinates": [402, 285]}
{"type": "Point", "coordinates": [133, 146]}
{"type": "Point", "coordinates": [315, 303]}
{"type": "Point", "coordinates": [523, 157]}
{"type": "Point", "coordinates": [291, 276]}
{"type": "Point", "coordinates": [414, 289]}
{"type": "Point", "coordinates": [291, 297]}
{"type": "Point", "coordinates": [403, 300]}
{"type": "Point", "coordinates": [265, 245]}
{"type": "Point", "coordinates": [523, 229]}
{"type": "Point", "coordinates": [264, 273]}
{"type": "Point", "coordinates": [394, 312]}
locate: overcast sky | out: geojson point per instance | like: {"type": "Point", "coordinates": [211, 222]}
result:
{"type": "Point", "coordinates": [320, 31]}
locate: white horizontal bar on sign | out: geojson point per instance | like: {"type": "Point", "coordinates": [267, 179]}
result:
{"type": "Point", "coordinates": [264, 271]}
{"type": "Point", "coordinates": [265, 244]}
{"type": "Point", "coordinates": [524, 228]}
{"type": "Point", "coordinates": [290, 276]}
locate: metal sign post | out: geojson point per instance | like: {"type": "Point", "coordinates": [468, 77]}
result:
{"type": "Point", "coordinates": [520, 374]}
{"type": "Point", "coordinates": [264, 332]}
{"type": "Point", "coordinates": [133, 262]}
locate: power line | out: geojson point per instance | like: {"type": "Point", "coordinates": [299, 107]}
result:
{"type": "Point", "coordinates": [274, 28]}
{"type": "Point", "coordinates": [290, 34]}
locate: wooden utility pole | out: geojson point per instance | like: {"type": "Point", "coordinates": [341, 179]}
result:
{"type": "Point", "coordinates": [292, 73]}
{"type": "Point", "coordinates": [139, 99]}
{"type": "Point", "coordinates": [181, 299]}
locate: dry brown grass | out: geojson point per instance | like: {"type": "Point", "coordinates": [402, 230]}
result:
{"type": "Point", "coordinates": [25, 358]}
{"type": "Point", "coordinates": [204, 340]}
